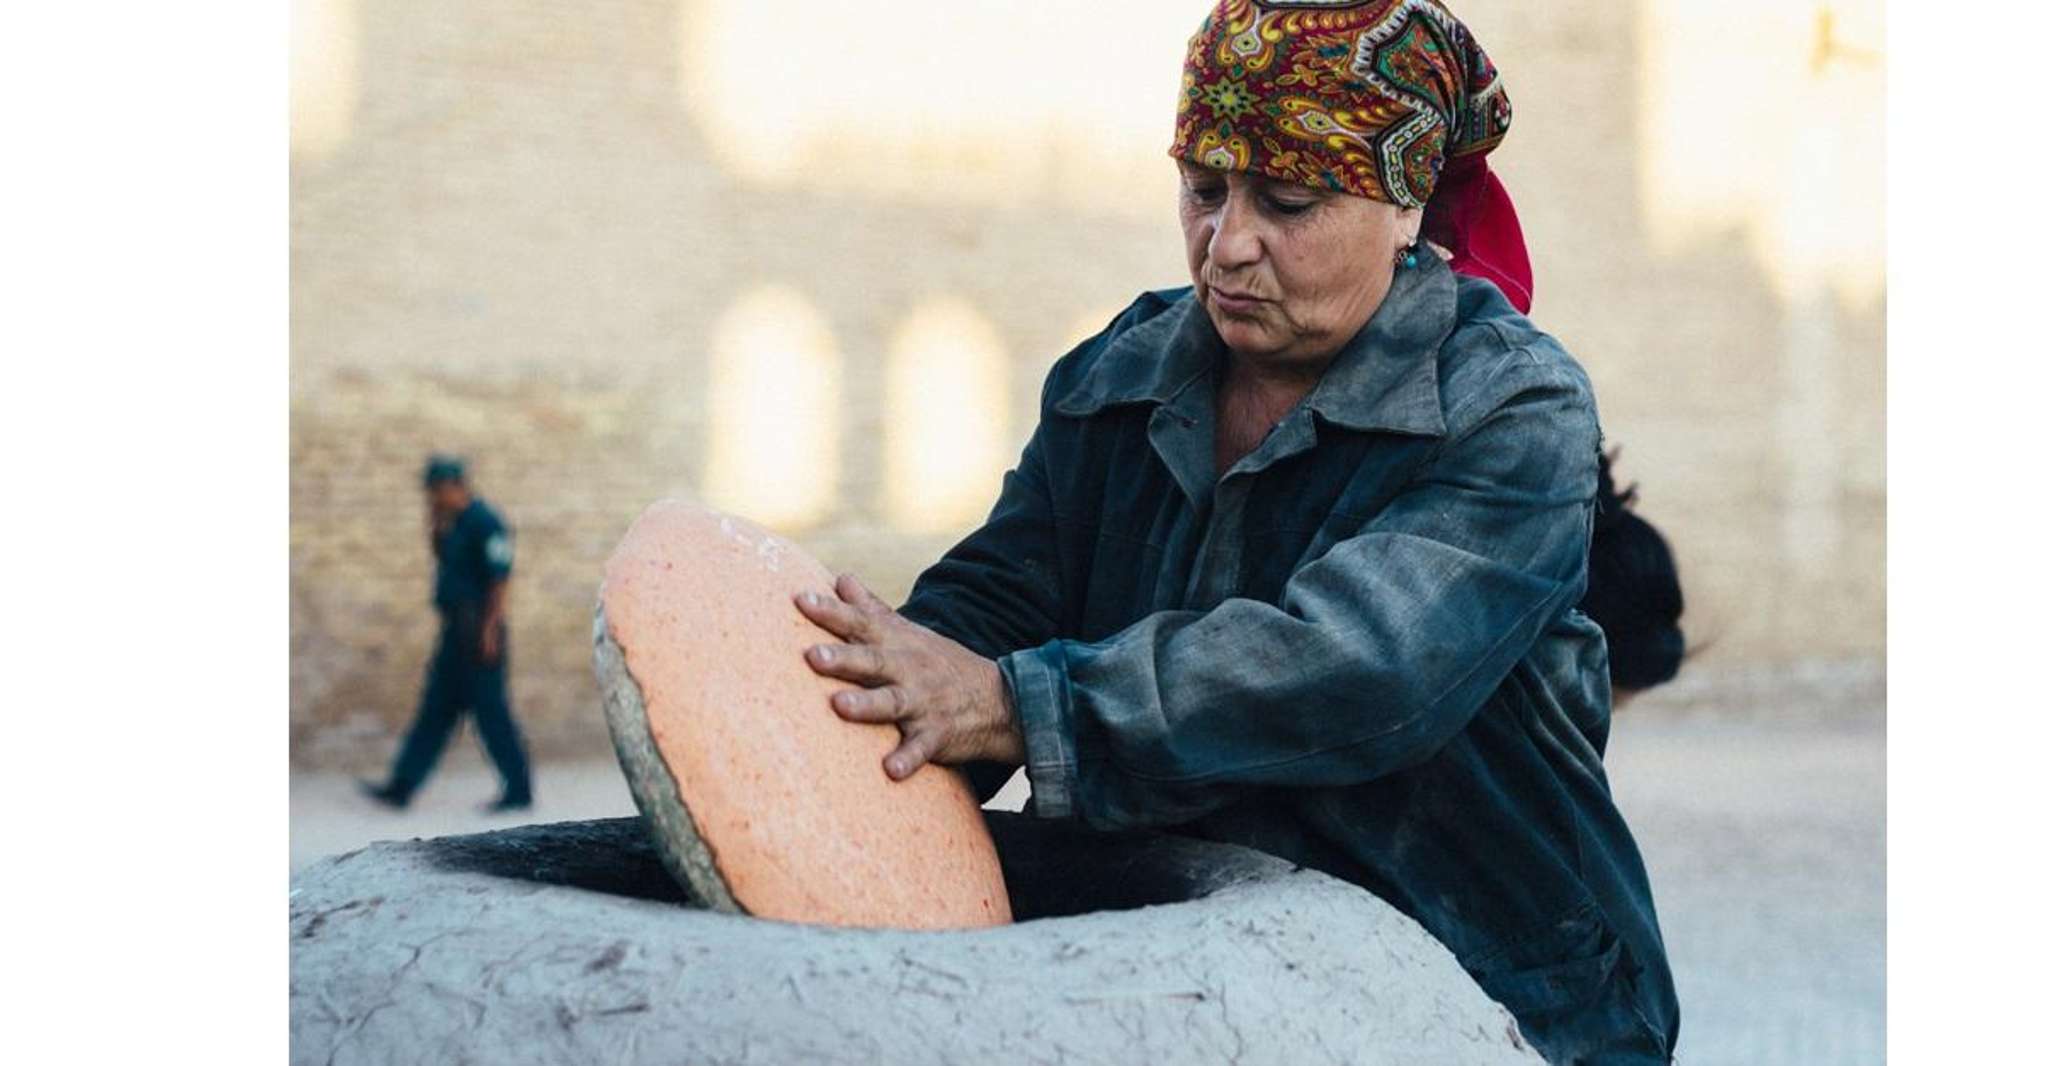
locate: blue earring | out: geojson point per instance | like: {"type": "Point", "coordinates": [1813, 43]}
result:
{"type": "Point", "coordinates": [1406, 258]}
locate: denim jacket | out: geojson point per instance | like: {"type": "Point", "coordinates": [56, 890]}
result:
{"type": "Point", "coordinates": [1357, 649]}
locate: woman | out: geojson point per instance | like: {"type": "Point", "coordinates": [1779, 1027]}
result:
{"type": "Point", "coordinates": [1291, 558]}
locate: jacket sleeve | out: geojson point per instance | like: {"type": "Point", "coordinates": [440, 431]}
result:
{"type": "Point", "coordinates": [999, 589]}
{"type": "Point", "coordinates": [1377, 654]}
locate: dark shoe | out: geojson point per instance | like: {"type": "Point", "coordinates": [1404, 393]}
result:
{"type": "Point", "coordinates": [384, 794]}
{"type": "Point", "coordinates": [506, 804]}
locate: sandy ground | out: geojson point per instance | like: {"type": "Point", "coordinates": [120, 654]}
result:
{"type": "Point", "coordinates": [1767, 850]}
{"type": "Point", "coordinates": [1765, 839]}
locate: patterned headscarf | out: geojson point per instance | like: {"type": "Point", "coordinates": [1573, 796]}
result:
{"type": "Point", "coordinates": [1368, 98]}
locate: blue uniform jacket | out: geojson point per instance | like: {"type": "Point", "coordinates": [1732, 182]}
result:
{"type": "Point", "coordinates": [474, 553]}
{"type": "Point", "coordinates": [1357, 649]}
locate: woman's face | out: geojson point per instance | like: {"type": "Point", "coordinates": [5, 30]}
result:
{"type": "Point", "coordinates": [1288, 273]}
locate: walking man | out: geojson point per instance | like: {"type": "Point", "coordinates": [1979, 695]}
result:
{"type": "Point", "coordinates": [473, 562]}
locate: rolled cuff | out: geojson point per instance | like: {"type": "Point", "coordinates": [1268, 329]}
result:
{"type": "Point", "coordinates": [1038, 679]}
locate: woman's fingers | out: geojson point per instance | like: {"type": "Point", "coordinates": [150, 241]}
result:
{"type": "Point", "coordinates": [854, 592]}
{"type": "Point", "coordinates": [835, 616]}
{"type": "Point", "coordinates": [862, 664]}
{"type": "Point", "coordinates": [917, 749]}
{"type": "Point", "coordinates": [885, 704]}
{"type": "Point", "coordinates": [890, 658]}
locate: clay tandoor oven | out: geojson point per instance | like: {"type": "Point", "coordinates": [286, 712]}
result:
{"type": "Point", "coordinates": [571, 943]}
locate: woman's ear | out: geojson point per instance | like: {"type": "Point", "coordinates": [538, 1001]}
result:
{"type": "Point", "coordinates": [1409, 222]}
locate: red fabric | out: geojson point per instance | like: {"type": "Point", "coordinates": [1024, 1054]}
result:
{"type": "Point", "coordinates": [1470, 215]}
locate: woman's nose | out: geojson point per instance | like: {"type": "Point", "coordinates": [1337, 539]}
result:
{"type": "Point", "coordinates": [1235, 241]}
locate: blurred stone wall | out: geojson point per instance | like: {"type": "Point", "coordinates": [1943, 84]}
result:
{"type": "Point", "coordinates": [520, 231]}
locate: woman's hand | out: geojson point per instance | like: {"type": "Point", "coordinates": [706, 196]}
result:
{"type": "Point", "coordinates": [949, 703]}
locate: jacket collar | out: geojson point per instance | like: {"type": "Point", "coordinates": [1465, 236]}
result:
{"type": "Point", "coordinates": [1385, 378]}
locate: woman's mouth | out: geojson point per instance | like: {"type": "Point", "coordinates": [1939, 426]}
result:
{"type": "Point", "coordinates": [1235, 303]}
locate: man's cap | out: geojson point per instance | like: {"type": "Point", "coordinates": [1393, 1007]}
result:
{"type": "Point", "coordinates": [442, 468]}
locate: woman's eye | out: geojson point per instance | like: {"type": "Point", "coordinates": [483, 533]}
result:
{"type": "Point", "coordinates": [1290, 207]}
{"type": "Point", "coordinates": [1208, 194]}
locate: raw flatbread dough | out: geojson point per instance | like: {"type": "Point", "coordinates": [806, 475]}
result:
{"type": "Point", "coordinates": [761, 799]}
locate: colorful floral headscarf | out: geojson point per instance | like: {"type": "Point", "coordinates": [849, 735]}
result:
{"type": "Point", "coordinates": [1393, 100]}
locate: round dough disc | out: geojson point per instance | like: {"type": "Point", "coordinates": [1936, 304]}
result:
{"type": "Point", "coordinates": [763, 800]}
